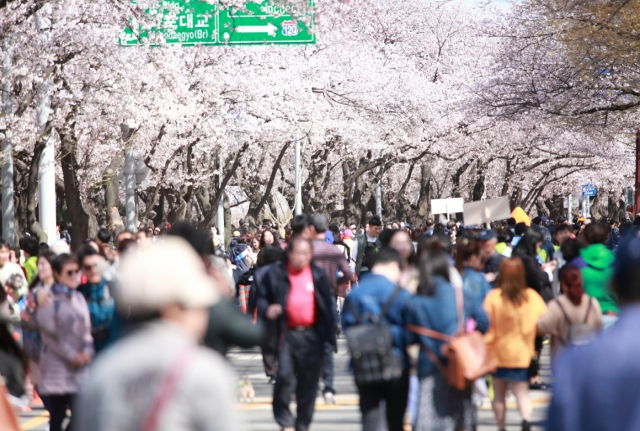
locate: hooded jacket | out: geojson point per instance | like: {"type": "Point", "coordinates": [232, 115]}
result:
{"type": "Point", "coordinates": [595, 263]}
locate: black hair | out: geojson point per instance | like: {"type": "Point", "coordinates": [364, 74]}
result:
{"type": "Point", "coordinates": [196, 238]}
{"type": "Point", "coordinates": [432, 263]}
{"type": "Point", "coordinates": [429, 222]}
{"type": "Point", "coordinates": [60, 261]}
{"type": "Point", "coordinates": [4, 243]}
{"type": "Point", "coordinates": [511, 221]}
{"type": "Point", "coordinates": [270, 254]}
{"type": "Point", "coordinates": [16, 250]}
{"type": "Point", "coordinates": [104, 235]}
{"type": "Point", "coordinates": [47, 255]}
{"type": "Point", "coordinates": [299, 223]}
{"type": "Point", "coordinates": [319, 222]}
{"type": "Point", "coordinates": [537, 220]}
{"type": "Point", "coordinates": [375, 221]}
{"type": "Point", "coordinates": [30, 245]}
{"type": "Point", "coordinates": [386, 235]}
{"type": "Point", "coordinates": [521, 228]}
{"type": "Point", "coordinates": [387, 255]}
{"type": "Point", "coordinates": [527, 244]}
{"type": "Point", "coordinates": [275, 238]}
{"type": "Point", "coordinates": [570, 249]}
{"type": "Point", "coordinates": [85, 251]}
{"type": "Point", "coordinates": [11, 346]}
{"type": "Point", "coordinates": [467, 245]}
{"type": "Point", "coordinates": [596, 233]}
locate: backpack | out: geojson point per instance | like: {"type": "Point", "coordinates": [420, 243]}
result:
{"type": "Point", "coordinates": [371, 347]}
{"type": "Point", "coordinates": [101, 307]}
{"type": "Point", "coordinates": [579, 333]}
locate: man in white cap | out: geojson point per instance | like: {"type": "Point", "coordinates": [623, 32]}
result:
{"type": "Point", "coordinates": [158, 378]}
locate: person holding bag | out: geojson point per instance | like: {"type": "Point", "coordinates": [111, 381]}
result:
{"type": "Point", "coordinates": [434, 314]}
{"type": "Point", "coordinates": [513, 310]}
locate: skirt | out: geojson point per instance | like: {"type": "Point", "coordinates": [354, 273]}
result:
{"type": "Point", "coordinates": [513, 374]}
{"type": "Point", "coordinates": [443, 408]}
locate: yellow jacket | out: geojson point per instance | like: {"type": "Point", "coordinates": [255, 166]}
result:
{"type": "Point", "coordinates": [512, 329]}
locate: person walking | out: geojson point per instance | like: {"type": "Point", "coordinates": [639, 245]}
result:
{"type": "Point", "coordinates": [37, 297]}
{"type": "Point", "coordinates": [331, 260]}
{"type": "Point", "coordinates": [469, 263]}
{"type": "Point", "coordinates": [267, 257]}
{"type": "Point", "coordinates": [372, 298]}
{"type": "Point", "coordinates": [596, 265]}
{"type": "Point", "coordinates": [488, 240]}
{"type": "Point", "coordinates": [65, 328]}
{"type": "Point", "coordinates": [513, 310]}
{"type": "Point", "coordinates": [596, 386]}
{"type": "Point", "coordinates": [99, 300]}
{"type": "Point", "coordinates": [158, 377]}
{"type": "Point", "coordinates": [296, 294]}
{"type": "Point", "coordinates": [573, 318]}
{"type": "Point", "coordinates": [366, 245]}
{"type": "Point", "coordinates": [435, 307]}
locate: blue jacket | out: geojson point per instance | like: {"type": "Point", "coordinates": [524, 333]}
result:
{"type": "Point", "coordinates": [474, 283]}
{"type": "Point", "coordinates": [438, 312]}
{"type": "Point", "coordinates": [369, 297]}
{"type": "Point", "coordinates": [596, 386]}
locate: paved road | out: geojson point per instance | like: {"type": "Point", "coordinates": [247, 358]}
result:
{"type": "Point", "coordinates": [344, 414]}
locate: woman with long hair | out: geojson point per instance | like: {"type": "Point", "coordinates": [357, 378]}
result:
{"type": "Point", "coordinates": [440, 407]}
{"type": "Point", "coordinates": [535, 275]}
{"type": "Point", "coordinates": [38, 297]}
{"type": "Point", "coordinates": [400, 241]}
{"type": "Point", "coordinates": [469, 262]}
{"type": "Point", "coordinates": [513, 310]}
{"type": "Point", "coordinates": [268, 237]}
{"type": "Point", "coordinates": [65, 328]}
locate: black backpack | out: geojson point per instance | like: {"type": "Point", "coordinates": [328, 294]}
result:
{"type": "Point", "coordinates": [371, 347]}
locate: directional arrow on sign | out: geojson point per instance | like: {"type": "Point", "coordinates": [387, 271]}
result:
{"type": "Point", "coordinates": [270, 29]}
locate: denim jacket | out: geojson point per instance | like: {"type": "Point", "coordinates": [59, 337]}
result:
{"type": "Point", "coordinates": [439, 313]}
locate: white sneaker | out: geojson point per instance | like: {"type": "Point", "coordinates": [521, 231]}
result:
{"type": "Point", "coordinates": [329, 398]}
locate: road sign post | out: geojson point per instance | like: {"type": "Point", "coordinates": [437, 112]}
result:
{"type": "Point", "coordinates": [194, 22]}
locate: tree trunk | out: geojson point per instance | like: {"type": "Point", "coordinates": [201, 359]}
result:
{"type": "Point", "coordinates": [83, 222]}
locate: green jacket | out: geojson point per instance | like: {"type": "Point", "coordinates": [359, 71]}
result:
{"type": "Point", "coordinates": [597, 272]}
{"type": "Point", "coordinates": [31, 268]}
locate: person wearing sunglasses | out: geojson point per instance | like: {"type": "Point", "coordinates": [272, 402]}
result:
{"type": "Point", "coordinates": [104, 328]}
{"type": "Point", "coordinates": [65, 328]}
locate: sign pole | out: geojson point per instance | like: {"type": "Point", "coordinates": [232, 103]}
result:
{"type": "Point", "coordinates": [298, 200]}
{"type": "Point", "coordinates": [636, 208]}
{"type": "Point", "coordinates": [220, 213]}
{"type": "Point", "coordinates": [8, 213]}
{"type": "Point", "coordinates": [378, 196]}
{"type": "Point", "coordinates": [569, 205]}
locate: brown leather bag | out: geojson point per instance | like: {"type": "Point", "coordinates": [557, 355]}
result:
{"type": "Point", "coordinates": [8, 417]}
{"type": "Point", "coordinates": [466, 352]}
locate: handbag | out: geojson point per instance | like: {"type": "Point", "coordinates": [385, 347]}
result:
{"type": "Point", "coordinates": [466, 352]}
{"type": "Point", "coordinates": [8, 418]}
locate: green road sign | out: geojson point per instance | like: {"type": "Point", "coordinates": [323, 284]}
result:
{"type": "Point", "coordinates": [191, 22]}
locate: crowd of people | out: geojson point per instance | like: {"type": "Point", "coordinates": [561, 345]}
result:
{"type": "Point", "coordinates": [129, 331]}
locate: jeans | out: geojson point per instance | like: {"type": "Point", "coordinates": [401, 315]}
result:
{"type": "Point", "coordinates": [394, 394]}
{"type": "Point", "coordinates": [58, 405]}
{"type": "Point", "coordinates": [608, 321]}
{"type": "Point", "coordinates": [299, 369]}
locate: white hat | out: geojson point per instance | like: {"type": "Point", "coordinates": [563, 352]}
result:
{"type": "Point", "coordinates": [168, 272]}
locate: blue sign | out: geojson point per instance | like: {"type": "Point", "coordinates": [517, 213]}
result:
{"type": "Point", "coordinates": [589, 190]}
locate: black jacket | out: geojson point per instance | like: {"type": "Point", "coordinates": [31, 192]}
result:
{"type": "Point", "coordinates": [537, 279]}
{"type": "Point", "coordinates": [274, 289]}
{"type": "Point", "coordinates": [229, 327]}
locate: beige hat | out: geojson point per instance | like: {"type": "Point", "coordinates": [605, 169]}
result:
{"type": "Point", "coordinates": [168, 272]}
